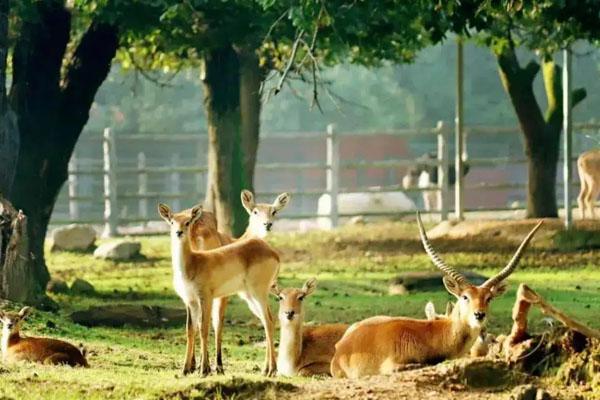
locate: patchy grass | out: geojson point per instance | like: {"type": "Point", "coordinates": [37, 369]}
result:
{"type": "Point", "coordinates": [353, 265]}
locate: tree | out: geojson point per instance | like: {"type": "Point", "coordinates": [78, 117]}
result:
{"type": "Point", "coordinates": [544, 26]}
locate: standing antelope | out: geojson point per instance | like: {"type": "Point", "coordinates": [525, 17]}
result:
{"type": "Point", "coordinates": [207, 237]}
{"type": "Point", "coordinates": [34, 349]}
{"type": "Point", "coordinates": [303, 351]}
{"type": "Point", "coordinates": [381, 345]}
{"type": "Point", "coordinates": [248, 268]}
{"type": "Point", "coordinates": [588, 166]}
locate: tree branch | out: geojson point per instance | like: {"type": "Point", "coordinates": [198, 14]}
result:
{"type": "Point", "coordinates": [290, 63]}
{"type": "Point", "coordinates": [578, 95]}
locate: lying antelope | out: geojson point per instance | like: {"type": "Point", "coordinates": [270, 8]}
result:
{"type": "Point", "coordinates": [588, 166]}
{"type": "Point", "coordinates": [248, 268]}
{"type": "Point", "coordinates": [35, 349]}
{"type": "Point", "coordinates": [303, 350]}
{"type": "Point", "coordinates": [207, 237]}
{"type": "Point", "coordinates": [482, 344]}
{"type": "Point", "coordinates": [402, 341]}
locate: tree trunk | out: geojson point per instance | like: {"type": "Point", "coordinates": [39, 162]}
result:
{"type": "Point", "coordinates": [251, 77]}
{"type": "Point", "coordinates": [52, 110]}
{"type": "Point", "coordinates": [221, 79]}
{"type": "Point", "coordinates": [15, 259]}
{"type": "Point", "coordinates": [9, 133]}
{"type": "Point", "coordinates": [541, 133]}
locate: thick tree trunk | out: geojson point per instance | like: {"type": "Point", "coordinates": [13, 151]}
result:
{"type": "Point", "coordinates": [541, 133]}
{"type": "Point", "coordinates": [15, 257]}
{"type": "Point", "coordinates": [221, 79]}
{"type": "Point", "coordinates": [52, 110]}
{"type": "Point", "coordinates": [251, 77]}
{"type": "Point", "coordinates": [9, 133]}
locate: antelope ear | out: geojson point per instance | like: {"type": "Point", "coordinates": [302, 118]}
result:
{"type": "Point", "coordinates": [309, 286]}
{"type": "Point", "coordinates": [281, 201]}
{"type": "Point", "coordinates": [452, 286]}
{"type": "Point", "coordinates": [195, 213]}
{"type": "Point", "coordinates": [449, 308]}
{"type": "Point", "coordinates": [430, 311]}
{"type": "Point", "coordinates": [275, 291]}
{"type": "Point", "coordinates": [25, 311]}
{"type": "Point", "coordinates": [498, 289]}
{"type": "Point", "coordinates": [165, 212]}
{"type": "Point", "coordinates": [248, 200]}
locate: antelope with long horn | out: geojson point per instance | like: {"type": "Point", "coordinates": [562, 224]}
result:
{"type": "Point", "coordinates": [382, 345]}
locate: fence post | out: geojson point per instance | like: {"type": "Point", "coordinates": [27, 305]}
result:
{"type": "Point", "coordinates": [142, 178]}
{"type": "Point", "coordinates": [111, 217]}
{"type": "Point", "coordinates": [73, 183]}
{"type": "Point", "coordinates": [333, 172]}
{"type": "Point", "coordinates": [567, 136]}
{"type": "Point", "coordinates": [442, 156]}
{"type": "Point", "coordinates": [459, 135]}
{"type": "Point", "coordinates": [175, 180]}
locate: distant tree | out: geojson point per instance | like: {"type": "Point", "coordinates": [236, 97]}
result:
{"type": "Point", "coordinates": [544, 26]}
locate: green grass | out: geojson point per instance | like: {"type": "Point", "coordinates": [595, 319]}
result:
{"type": "Point", "coordinates": [353, 265]}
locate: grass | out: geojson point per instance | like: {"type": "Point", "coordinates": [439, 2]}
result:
{"type": "Point", "coordinates": [353, 265]}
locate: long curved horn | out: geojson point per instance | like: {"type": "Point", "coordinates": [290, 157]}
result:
{"type": "Point", "coordinates": [514, 261]}
{"type": "Point", "coordinates": [437, 261]}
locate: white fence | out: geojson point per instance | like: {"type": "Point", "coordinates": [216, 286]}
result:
{"type": "Point", "coordinates": [113, 169]}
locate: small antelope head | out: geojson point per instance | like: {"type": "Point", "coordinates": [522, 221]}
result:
{"type": "Point", "coordinates": [181, 222]}
{"type": "Point", "coordinates": [262, 215]}
{"type": "Point", "coordinates": [473, 301]}
{"type": "Point", "coordinates": [11, 321]}
{"type": "Point", "coordinates": [431, 314]}
{"type": "Point", "coordinates": [291, 310]}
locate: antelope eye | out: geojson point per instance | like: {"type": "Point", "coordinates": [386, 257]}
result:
{"type": "Point", "coordinates": [274, 212]}
{"type": "Point", "coordinates": [187, 223]}
{"type": "Point", "coordinates": [465, 298]}
{"type": "Point", "coordinates": [280, 298]}
{"type": "Point", "coordinates": [301, 298]}
{"type": "Point", "coordinates": [255, 212]}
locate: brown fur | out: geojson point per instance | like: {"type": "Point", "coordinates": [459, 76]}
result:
{"type": "Point", "coordinates": [36, 349]}
{"type": "Point", "coordinates": [303, 350]}
{"type": "Point", "coordinates": [247, 267]}
{"type": "Point", "coordinates": [588, 166]}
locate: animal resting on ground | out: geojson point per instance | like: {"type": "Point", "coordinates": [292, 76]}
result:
{"type": "Point", "coordinates": [588, 166]}
{"type": "Point", "coordinates": [403, 341]}
{"type": "Point", "coordinates": [205, 236]}
{"type": "Point", "coordinates": [248, 267]}
{"type": "Point", "coordinates": [35, 349]}
{"type": "Point", "coordinates": [303, 350]}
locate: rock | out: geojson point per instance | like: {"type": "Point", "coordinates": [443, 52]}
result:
{"type": "Point", "coordinates": [118, 250]}
{"type": "Point", "coordinates": [479, 373]}
{"type": "Point", "coordinates": [426, 281]}
{"type": "Point", "coordinates": [119, 315]}
{"type": "Point", "coordinates": [81, 286]}
{"type": "Point", "coordinates": [73, 237]}
{"type": "Point", "coordinates": [57, 286]}
{"type": "Point", "coordinates": [524, 392]}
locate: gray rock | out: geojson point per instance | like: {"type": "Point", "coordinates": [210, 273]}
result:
{"type": "Point", "coordinates": [121, 250]}
{"type": "Point", "coordinates": [73, 237]}
{"type": "Point", "coordinates": [57, 286]}
{"type": "Point", "coordinates": [81, 286]}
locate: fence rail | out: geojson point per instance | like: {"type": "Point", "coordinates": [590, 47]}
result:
{"type": "Point", "coordinates": [333, 166]}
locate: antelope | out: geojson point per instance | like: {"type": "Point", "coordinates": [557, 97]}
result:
{"type": "Point", "coordinates": [303, 350]}
{"type": "Point", "coordinates": [35, 349]}
{"type": "Point", "coordinates": [401, 341]}
{"type": "Point", "coordinates": [588, 166]}
{"type": "Point", "coordinates": [431, 314]}
{"type": "Point", "coordinates": [207, 237]}
{"type": "Point", "coordinates": [248, 268]}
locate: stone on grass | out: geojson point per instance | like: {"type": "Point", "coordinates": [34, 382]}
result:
{"type": "Point", "coordinates": [57, 286]}
{"type": "Point", "coordinates": [121, 250]}
{"type": "Point", "coordinates": [74, 237]}
{"type": "Point", "coordinates": [81, 286]}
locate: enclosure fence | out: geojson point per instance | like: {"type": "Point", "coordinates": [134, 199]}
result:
{"type": "Point", "coordinates": [126, 195]}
